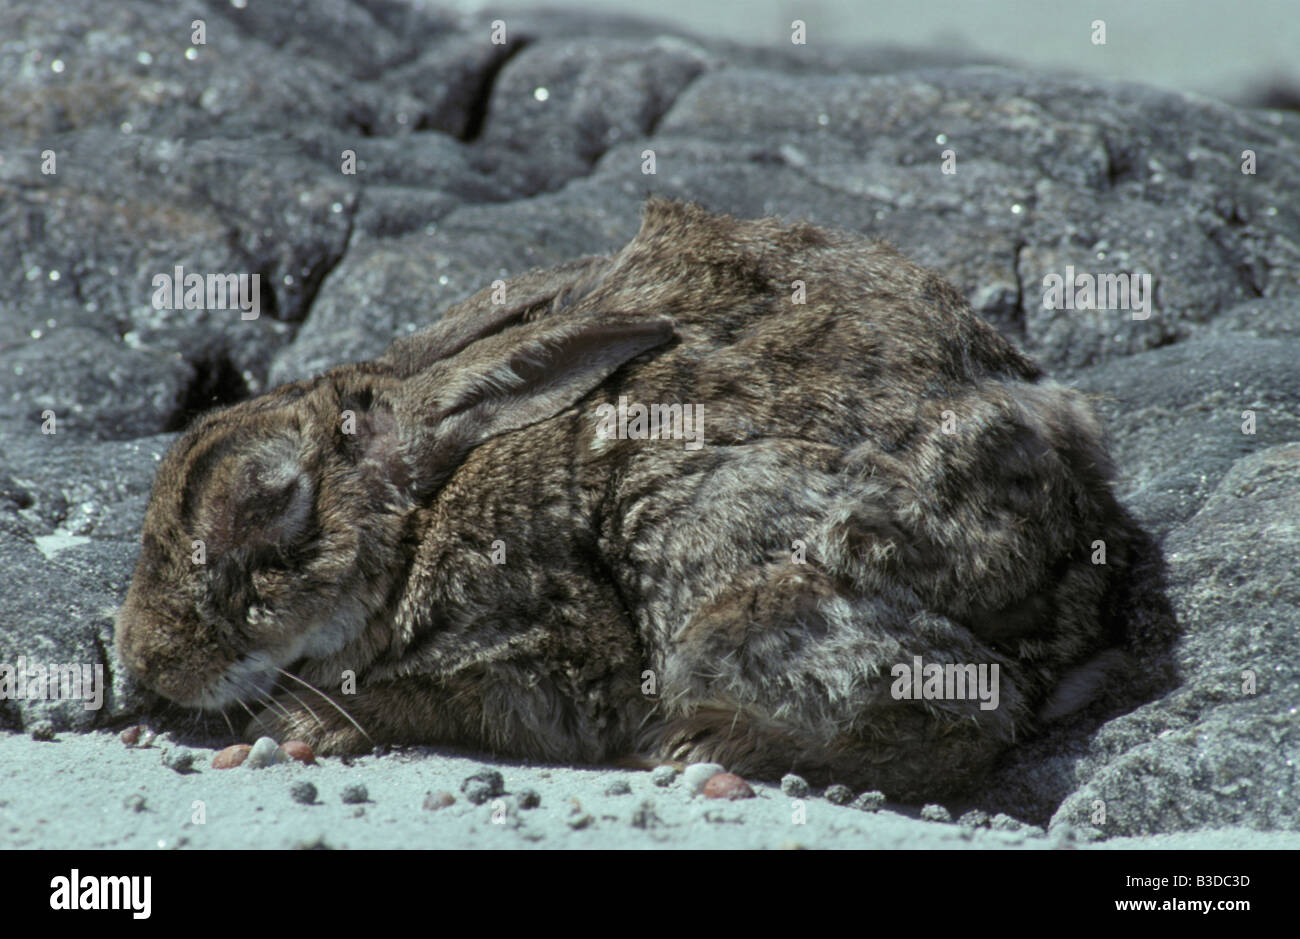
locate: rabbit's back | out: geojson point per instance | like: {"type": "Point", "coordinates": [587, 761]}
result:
{"type": "Point", "coordinates": [876, 476]}
{"type": "Point", "coordinates": [880, 474]}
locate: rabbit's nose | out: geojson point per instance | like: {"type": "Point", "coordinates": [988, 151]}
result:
{"type": "Point", "coordinates": [157, 657]}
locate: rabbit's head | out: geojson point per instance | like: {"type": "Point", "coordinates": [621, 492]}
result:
{"type": "Point", "coordinates": [280, 527]}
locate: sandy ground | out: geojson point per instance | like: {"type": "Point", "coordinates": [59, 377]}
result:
{"type": "Point", "coordinates": [84, 791]}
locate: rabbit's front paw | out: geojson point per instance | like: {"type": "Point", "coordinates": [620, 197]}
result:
{"type": "Point", "coordinates": [325, 730]}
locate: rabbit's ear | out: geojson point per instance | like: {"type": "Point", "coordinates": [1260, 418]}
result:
{"type": "Point", "coordinates": [508, 381]}
{"type": "Point", "coordinates": [488, 312]}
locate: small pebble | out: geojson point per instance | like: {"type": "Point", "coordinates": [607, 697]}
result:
{"type": "Point", "coordinates": [355, 794]}
{"type": "Point", "coordinates": [266, 752]}
{"type": "Point", "coordinates": [134, 802]}
{"type": "Point", "coordinates": [1003, 822]}
{"type": "Point", "coordinates": [315, 844]}
{"type": "Point", "coordinates": [297, 750]}
{"type": "Point", "coordinates": [529, 799]}
{"type": "Point", "coordinates": [180, 759]}
{"type": "Point", "coordinates": [839, 794]}
{"type": "Point", "coordinates": [697, 774]}
{"type": "Point", "coordinates": [796, 787]}
{"type": "Point", "coordinates": [477, 791]}
{"type": "Point", "coordinates": [149, 738]}
{"type": "Point", "coordinates": [717, 817]}
{"type": "Point", "coordinates": [975, 818]}
{"type": "Point", "coordinates": [1063, 838]}
{"type": "Point", "coordinates": [663, 775]}
{"type": "Point", "coordinates": [486, 783]}
{"type": "Point", "coordinates": [580, 822]}
{"type": "Point", "coordinates": [869, 801]}
{"type": "Point", "coordinates": [131, 736]}
{"type": "Point", "coordinates": [303, 792]}
{"type": "Point", "coordinates": [618, 787]}
{"type": "Point", "coordinates": [438, 800]}
{"type": "Point", "coordinates": [935, 813]}
{"type": "Point", "coordinates": [727, 786]}
{"type": "Point", "coordinates": [646, 817]}
{"type": "Point", "coordinates": [42, 730]}
{"type": "Point", "coordinates": [232, 756]}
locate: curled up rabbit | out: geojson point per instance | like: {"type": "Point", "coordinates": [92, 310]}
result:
{"type": "Point", "coordinates": [480, 539]}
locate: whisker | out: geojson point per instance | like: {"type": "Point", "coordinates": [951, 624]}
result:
{"type": "Point", "coordinates": [330, 700]}
{"type": "Point", "coordinates": [240, 702]}
{"type": "Point", "coordinates": [320, 723]}
{"type": "Point", "coordinates": [275, 707]}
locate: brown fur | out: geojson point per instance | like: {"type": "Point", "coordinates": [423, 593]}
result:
{"type": "Point", "coordinates": [371, 553]}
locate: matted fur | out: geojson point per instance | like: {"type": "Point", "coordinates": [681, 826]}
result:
{"type": "Point", "coordinates": [371, 553]}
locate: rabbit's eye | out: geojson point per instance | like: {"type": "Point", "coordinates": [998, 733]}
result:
{"type": "Point", "coordinates": [267, 583]}
{"type": "Point", "coordinates": [230, 590]}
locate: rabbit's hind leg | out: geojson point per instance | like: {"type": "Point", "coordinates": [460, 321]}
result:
{"type": "Point", "coordinates": [786, 670]}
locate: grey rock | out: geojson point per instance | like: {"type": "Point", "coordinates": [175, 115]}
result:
{"type": "Point", "coordinates": [619, 787]}
{"type": "Point", "coordinates": [61, 599]}
{"type": "Point", "coordinates": [88, 385]}
{"type": "Point", "coordinates": [663, 776]}
{"type": "Point", "coordinates": [869, 802]}
{"type": "Point", "coordinates": [488, 782]}
{"type": "Point", "coordinates": [935, 813]}
{"type": "Point", "coordinates": [974, 818]}
{"type": "Point", "coordinates": [179, 759]}
{"type": "Point", "coordinates": [529, 798]}
{"type": "Point", "coordinates": [263, 68]}
{"type": "Point", "coordinates": [1004, 822]}
{"type": "Point", "coordinates": [355, 794]}
{"type": "Point", "coordinates": [559, 105]}
{"type": "Point", "coordinates": [1221, 749]}
{"type": "Point", "coordinates": [1178, 432]}
{"type": "Point", "coordinates": [303, 792]}
{"type": "Point", "coordinates": [839, 794]}
{"type": "Point", "coordinates": [796, 787]}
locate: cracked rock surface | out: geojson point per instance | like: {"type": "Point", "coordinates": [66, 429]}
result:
{"type": "Point", "coordinates": [477, 160]}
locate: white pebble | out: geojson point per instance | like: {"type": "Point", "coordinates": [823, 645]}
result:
{"type": "Point", "coordinates": [697, 774]}
{"type": "Point", "coordinates": [266, 752]}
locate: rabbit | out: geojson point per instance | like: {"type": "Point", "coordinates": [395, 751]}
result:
{"type": "Point", "coordinates": [447, 545]}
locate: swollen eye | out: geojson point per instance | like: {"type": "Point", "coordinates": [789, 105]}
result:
{"type": "Point", "coordinates": [278, 514]}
